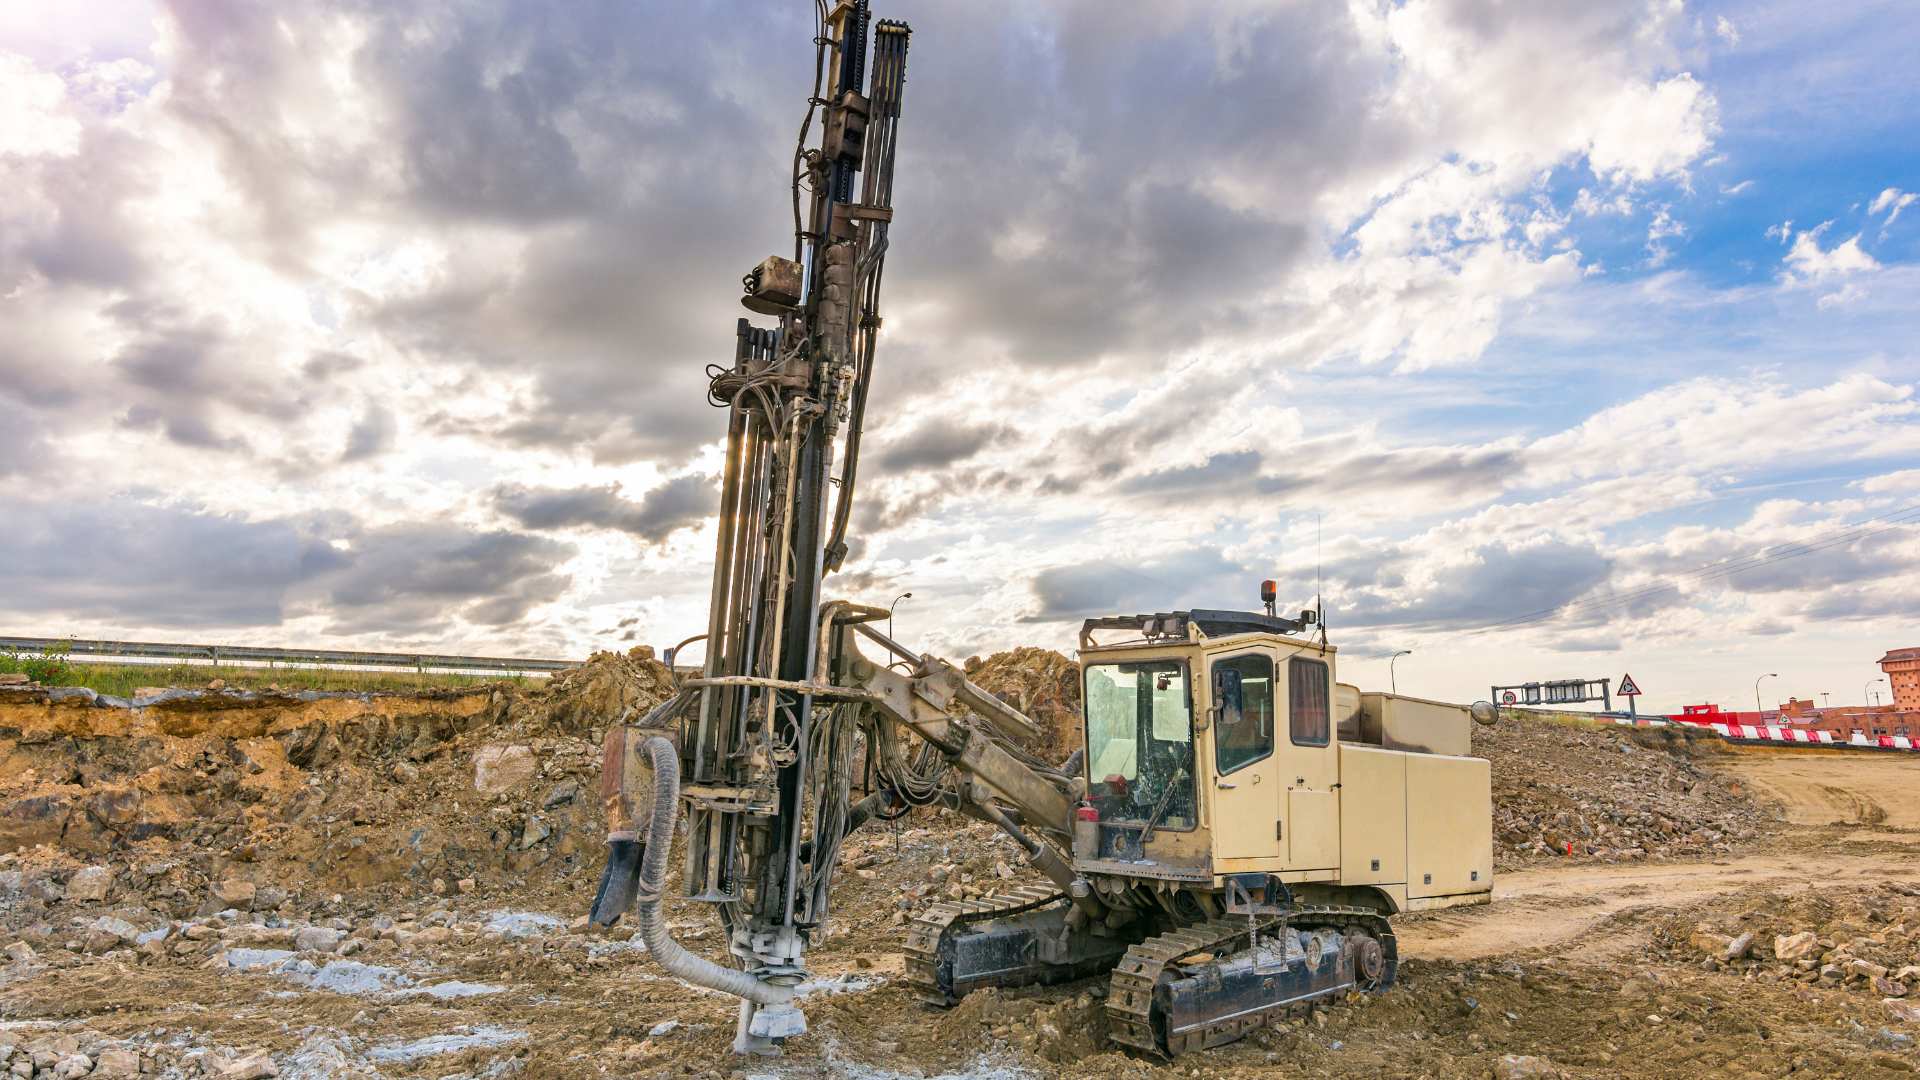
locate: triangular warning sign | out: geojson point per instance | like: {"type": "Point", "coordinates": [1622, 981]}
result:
{"type": "Point", "coordinates": [1628, 688]}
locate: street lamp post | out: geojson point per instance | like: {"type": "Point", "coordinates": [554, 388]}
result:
{"type": "Point", "coordinates": [890, 607]}
{"type": "Point", "coordinates": [1393, 679]}
{"type": "Point", "coordinates": [1761, 714]}
{"type": "Point", "coordinates": [1864, 691]}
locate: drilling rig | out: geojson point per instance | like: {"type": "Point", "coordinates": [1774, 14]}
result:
{"type": "Point", "coordinates": [1229, 842]}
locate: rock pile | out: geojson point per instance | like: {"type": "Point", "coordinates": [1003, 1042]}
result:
{"type": "Point", "coordinates": [1041, 683]}
{"type": "Point", "coordinates": [1866, 940]}
{"type": "Point", "coordinates": [1610, 794]}
{"type": "Point", "coordinates": [188, 803]}
{"type": "Point", "coordinates": [585, 699]}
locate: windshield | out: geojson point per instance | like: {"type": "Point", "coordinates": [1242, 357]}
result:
{"type": "Point", "coordinates": [1140, 743]}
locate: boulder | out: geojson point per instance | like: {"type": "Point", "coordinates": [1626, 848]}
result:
{"type": "Point", "coordinates": [235, 893]}
{"type": "Point", "coordinates": [1739, 947]}
{"type": "Point", "coordinates": [1523, 1067]}
{"type": "Point", "coordinates": [317, 939]}
{"type": "Point", "coordinates": [90, 885]}
{"type": "Point", "coordinates": [116, 1063]}
{"type": "Point", "coordinates": [1866, 969]}
{"type": "Point", "coordinates": [1790, 947]}
{"type": "Point", "coordinates": [251, 1067]}
{"type": "Point", "coordinates": [1709, 942]}
{"type": "Point", "coordinates": [502, 768]}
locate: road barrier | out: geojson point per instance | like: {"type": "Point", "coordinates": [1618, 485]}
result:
{"type": "Point", "coordinates": [1785, 734]}
{"type": "Point", "coordinates": [249, 654]}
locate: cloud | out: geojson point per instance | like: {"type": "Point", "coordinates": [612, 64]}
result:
{"type": "Point", "coordinates": [1807, 264]}
{"type": "Point", "coordinates": [680, 502]}
{"type": "Point", "coordinates": [132, 562]}
{"type": "Point", "coordinates": [1199, 577]}
{"type": "Point", "coordinates": [1891, 201]}
{"type": "Point", "coordinates": [1481, 586]}
{"type": "Point", "coordinates": [1807, 261]}
{"type": "Point", "coordinates": [420, 578]}
{"type": "Point", "coordinates": [246, 250]}
{"type": "Point", "coordinates": [1724, 29]}
{"type": "Point", "coordinates": [937, 444]}
{"type": "Point", "coordinates": [372, 434]}
{"type": "Point", "coordinates": [1662, 228]}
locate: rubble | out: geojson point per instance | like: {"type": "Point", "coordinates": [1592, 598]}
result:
{"type": "Point", "coordinates": [404, 922]}
{"type": "Point", "coordinates": [1043, 684]}
{"type": "Point", "coordinates": [1566, 789]}
{"type": "Point", "coordinates": [1865, 940]}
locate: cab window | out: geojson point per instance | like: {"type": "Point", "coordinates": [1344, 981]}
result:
{"type": "Point", "coordinates": [1243, 689]}
{"type": "Point", "coordinates": [1307, 704]}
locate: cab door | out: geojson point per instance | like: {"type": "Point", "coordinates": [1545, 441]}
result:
{"type": "Point", "coordinates": [1246, 793]}
{"type": "Point", "coordinates": [1305, 758]}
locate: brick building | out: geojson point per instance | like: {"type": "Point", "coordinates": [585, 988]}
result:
{"type": "Point", "coordinates": [1903, 675]}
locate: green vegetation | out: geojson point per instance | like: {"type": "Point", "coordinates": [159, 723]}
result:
{"type": "Point", "coordinates": [50, 668]}
{"type": "Point", "coordinates": [1564, 719]}
{"type": "Point", "coordinates": [56, 668]}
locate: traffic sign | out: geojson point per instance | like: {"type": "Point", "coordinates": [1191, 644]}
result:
{"type": "Point", "coordinates": [1628, 688]}
{"type": "Point", "coordinates": [1508, 698]}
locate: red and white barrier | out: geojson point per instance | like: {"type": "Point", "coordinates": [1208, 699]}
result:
{"type": "Point", "coordinates": [1806, 736]}
{"type": "Point", "coordinates": [1778, 733]}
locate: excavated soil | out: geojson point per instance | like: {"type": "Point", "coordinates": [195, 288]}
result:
{"type": "Point", "coordinates": [236, 885]}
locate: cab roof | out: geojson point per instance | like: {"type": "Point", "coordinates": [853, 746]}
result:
{"type": "Point", "coordinates": [1168, 627]}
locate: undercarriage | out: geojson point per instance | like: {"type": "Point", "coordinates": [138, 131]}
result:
{"type": "Point", "coordinates": [1172, 991]}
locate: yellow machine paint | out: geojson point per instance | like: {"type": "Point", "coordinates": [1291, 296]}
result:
{"type": "Point", "coordinates": [1364, 792]}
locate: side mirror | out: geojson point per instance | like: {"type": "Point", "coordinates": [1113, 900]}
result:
{"type": "Point", "coordinates": [1484, 712]}
{"type": "Point", "coordinates": [1228, 697]}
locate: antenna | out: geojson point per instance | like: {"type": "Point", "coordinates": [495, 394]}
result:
{"type": "Point", "coordinates": [1319, 582]}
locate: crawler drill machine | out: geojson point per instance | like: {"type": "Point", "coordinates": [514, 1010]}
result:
{"type": "Point", "coordinates": [1230, 841]}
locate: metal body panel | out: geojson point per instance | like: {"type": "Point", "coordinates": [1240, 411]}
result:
{"type": "Point", "coordinates": [1312, 774]}
{"type": "Point", "coordinates": [1449, 825]}
{"type": "Point", "coordinates": [1313, 829]}
{"type": "Point", "coordinates": [1247, 804]}
{"type": "Point", "coordinates": [1396, 722]}
{"type": "Point", "coordinates": [1373, 816]}
{"type": "Point", "coordinates": [1435, 903]}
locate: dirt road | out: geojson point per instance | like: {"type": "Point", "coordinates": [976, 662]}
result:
{"type": "Point", "coordinates": [1835, 787]}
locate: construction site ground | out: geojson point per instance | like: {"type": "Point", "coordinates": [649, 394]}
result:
{"type": "Point", "coordinates": [244, 887]}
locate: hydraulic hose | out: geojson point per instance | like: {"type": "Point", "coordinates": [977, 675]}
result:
{"type": "Point", "coordinates": [665, 951]}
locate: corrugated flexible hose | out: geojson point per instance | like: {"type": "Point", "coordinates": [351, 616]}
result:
{"type": "Point", "coordinates": [653, 873]}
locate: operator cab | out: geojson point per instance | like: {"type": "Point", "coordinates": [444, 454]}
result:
{"type": "Point", "coordinates": [1185, 709]}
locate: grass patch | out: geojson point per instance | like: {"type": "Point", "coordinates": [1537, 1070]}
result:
{"type": "Point", "coordinates": [1564, 719]}
{"type": "Point", "coordinates": [121, 680]}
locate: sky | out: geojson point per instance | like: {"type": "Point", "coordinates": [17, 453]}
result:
{"type": "Point", "coordinates": [384, 325]}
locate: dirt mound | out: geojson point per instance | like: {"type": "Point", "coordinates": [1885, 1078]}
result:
{"type": "Point", "coordinates": [312, 792]}
{"type": "Point", "coordinates": [585, 699]}
{"type": "Point", "coordinates": [1570, 789]}
{"type": "Point", "coordinates": [1041, 683]}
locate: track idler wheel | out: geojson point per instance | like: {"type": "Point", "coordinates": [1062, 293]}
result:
{"type": "Point", "coordinates": [1369, 960]}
